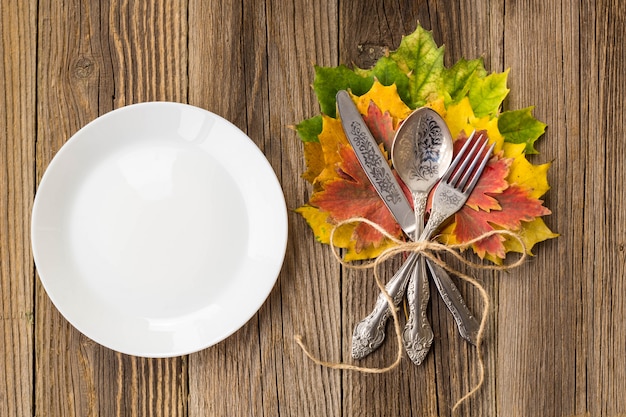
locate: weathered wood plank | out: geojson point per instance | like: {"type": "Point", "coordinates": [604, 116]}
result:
{"type": "Point", "coordinates": [603, 231]}
{"type": "Point", "coordinates": [309, 293]}
{"type": "Point", "coordinates": [18, 37]}
{"type": "Point", "coordinates": [558, 339]}
{"type": "Point", "coordinates": [537, 327]}
{"type": "Point", "coordinates": [94, 57]}
{"type": "Point", "coordinates": [252, 63]}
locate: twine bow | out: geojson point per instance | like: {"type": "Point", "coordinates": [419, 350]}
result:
{"type": "Point", "coordinates": [429, 249]}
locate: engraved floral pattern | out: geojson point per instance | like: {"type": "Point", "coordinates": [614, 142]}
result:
{"type": "Point", "coordinates": [378, 173]}
{"type": "Point", "coordinates": [427, 150]}
{"type": "Point", "coordinates": [419, 147]}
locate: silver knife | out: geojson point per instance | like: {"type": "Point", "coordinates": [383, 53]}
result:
{"type": "Point", "coordinates": [374, 164]}
{"type": "Point", "coordinates": [370, 332]}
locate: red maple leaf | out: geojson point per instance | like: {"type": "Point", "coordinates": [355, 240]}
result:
{"type": "Point", "coordinates": [352, 195]}
{"type": "Point", "coordinates": [381, 125]}
{"type": "Point", "coordinates": [494, 204]}
{"type": "Point", "coordinates": [491, 182]}
{"type": "Point", "coordinates": [516, 206]}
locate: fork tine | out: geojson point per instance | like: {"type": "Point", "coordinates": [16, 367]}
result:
{"type": "Point", "coordinates": [479, 171]}
{"type": "Point", "coordinates": [466, 159]}
{"type": "Point", "coordinates": [475, 157]}
{"type": "Point", "coordinates": [460, 157]}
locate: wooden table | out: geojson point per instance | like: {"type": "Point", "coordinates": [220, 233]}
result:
{"type": "Point", "coordinates": [556, 338]}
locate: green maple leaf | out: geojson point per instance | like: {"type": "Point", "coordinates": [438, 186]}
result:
{"type": "Point", "coordinates": [309, 129]}
{"type": "Point", "coordinates": [416, 69]}
{"type": "Point", "coordinates": [420, 58]}
{"type": "Point", "coordinates": [457, 80]}
{"type": "Point", "coordinates": [329, 80]}
{"type": "Point", "coordinates": [487, 93]}
{"type": "Point", "coordinates": [519, 126]}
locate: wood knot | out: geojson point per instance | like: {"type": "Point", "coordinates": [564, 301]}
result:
{"type": "Point", "coordinates": [370, 53]}
{"type": "Point", "coordinates": [83, 67]}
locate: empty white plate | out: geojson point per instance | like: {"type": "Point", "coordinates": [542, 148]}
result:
{"type": "Point", "coordinates": [159, 229]}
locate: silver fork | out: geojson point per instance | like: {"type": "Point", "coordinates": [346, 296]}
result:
{"type": "Point", "coordinates": [449, 197]}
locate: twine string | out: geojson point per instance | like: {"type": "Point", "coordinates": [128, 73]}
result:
{"type": "Point", "coordinates": [429, 249]}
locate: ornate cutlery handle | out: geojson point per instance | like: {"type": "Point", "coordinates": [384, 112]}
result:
{"type": "Point", "coordinates": [418, 335]}
{"type": "Point", "coordinates": [465, 320]}
{"type": "Point", "coordinates": [369, 333]}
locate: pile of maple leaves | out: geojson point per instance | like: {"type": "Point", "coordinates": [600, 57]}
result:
{"type": "Point", "coordinates": [468, 98]}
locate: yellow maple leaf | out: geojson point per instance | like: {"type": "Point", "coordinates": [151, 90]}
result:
{"type": "Point", "coordinates": [332, 139]}
{"type": "Point", "coordinates": [532, 177]}
{"type": "Point", "coordinates": [386, 98]}
{"type": "Point", "coordinates": [314, 157]}
{"type": "Point", "coordinates": [460, 118]}
{"type": "Point", "coordinates": [531, 233]}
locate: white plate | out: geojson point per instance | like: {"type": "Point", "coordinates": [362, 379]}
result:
{"type": "Point", "coordinates": [159, 229]}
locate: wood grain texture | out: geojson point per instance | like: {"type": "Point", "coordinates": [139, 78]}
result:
{"type": "Point", "coordinates": [602, 57]}
{"type": "Point", "coordinates": [541, 331]}
{"type": "Point", "coordinates": [94, 57]}
{"type": "Point", "coordinates": [555, 342]}
{"type": "Point", "coordinates": [18, 40]}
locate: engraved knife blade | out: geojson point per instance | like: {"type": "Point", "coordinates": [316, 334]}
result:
{"type": "Point", "coordinates": [374, 163]}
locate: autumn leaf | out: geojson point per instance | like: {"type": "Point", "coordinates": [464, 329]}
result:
{"type": "Point", "coordinates": [330, 80]}
{"type": "Point", "coordinates": [315, 163]}
{"type": "Point", "coordinates": [309, 129]}
{"type": "Point", "coordinates": [497, 202]}
{"type": "Point", "coordinates": [385, 98]}
{"type": "Point", "coordinates": [487, 93]}
{"type": "Point", "coordinates": [461, 121]}
{"type": "Point", "coordinates": [344, 236]}
{"type": "Point", "coordinates": [352, 195]}
{"type": "Point", "coordinates": [534, 178]}
{"type": "Point", "coordinates": [531, 233]}
{"type": "Point", "coordinates": [380, 124]}
{"type": "Point", "coordinates": [519, 126]}
{"type": "Point", "coordinates": [331, 140]}
{"type": "Point", "coordinates": [387, 73]}
{"type": "Point", "coordinates": [515, 207]}
{"type": "Point", "coordinates": [492, 181]}
{"type": "Point", "coordinates": [457, 80]}
{"type": "Point", "coordinates": [422, 60]}
{"type": "Point", "coordinates": [469, 99]}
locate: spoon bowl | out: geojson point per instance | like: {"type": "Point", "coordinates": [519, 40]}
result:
{"type": "Point", "coordinates": [422, 150]}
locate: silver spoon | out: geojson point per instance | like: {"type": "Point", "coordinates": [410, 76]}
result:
{"type": "Point", "coordinates": [421, 153]}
